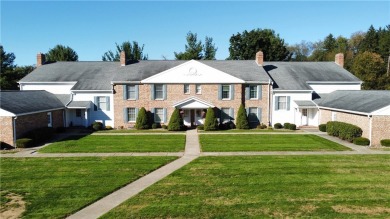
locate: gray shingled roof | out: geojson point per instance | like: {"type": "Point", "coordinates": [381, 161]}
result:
{"type": "Point", "coordinates": [294, 75]}
{"type": "Point", "coordinates": [365, 101]}
{"type": "Point", "coordinates": [305, 103]}
{"type": "Point", "coordinates": [80, 104]}
{"type": "Point", "coordinates": [22, 102]}
{"type": "Point", "coordinates": [64, 98]}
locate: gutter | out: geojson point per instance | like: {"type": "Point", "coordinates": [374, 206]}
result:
{"type": "Point", "coordinates": [14, 129]}
{"type": "Point", "coordinates": [41, 111]}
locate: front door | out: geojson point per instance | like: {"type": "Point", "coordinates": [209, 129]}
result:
{"type": "Point", "coordinates": [78, 117]}
{"type": "Point", "coordinates": [304, 117]}
{"type": "Point", "coordinates": [198, 117]}
{"type": "Point", "coordinates": [187, 117]}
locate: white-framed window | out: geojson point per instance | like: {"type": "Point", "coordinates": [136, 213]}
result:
{"type": "Point", "coordinates": [252, 114]}
{"type": "Point", "coordinates": [132, 116]}
{"type": "Point", "coordinates": [282, 103]}
{"type": "Point", "coordinates": [253, 91]}
{"type": "Point", "coordinates": [49, 120]}
{"type": "Point", "coordinates": [131, 92]}
{"type": "Point", "coordinates": [225, 91]}
{"type": "Point", "coordinates": [334, 116]}
{"type": "Point", "coordinates": [225, 116]}
{"type": "Point", "coordinates": [102, 103]}
{"type": "Point", "coordinates": [186, 89]}
{"type": "Point", "coordinates": [159, 91]}
{"type": "Point", "coordinates": [158, 115]}
{"type": "Point", "coordinates": [198, 89]}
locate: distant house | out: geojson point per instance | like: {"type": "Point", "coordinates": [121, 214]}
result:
{"type": "Point", "coordinates": [23, 111]}
{"type": "Point", "coordinates": [272, 92]}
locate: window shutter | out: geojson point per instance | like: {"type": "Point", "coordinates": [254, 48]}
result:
{"type": "Point", "coordinates": [125, 92]}
{"type": "Point", "coordinates": [259, 114]}
{"type": "Point", "coordinates": [136, 113]}
{"type": "Point", "coordinates": [247, 92]}
{"type": "Point", "coordinates": [231, 113]}
{"type": "Point", "coordinates": [108, 103]}
{"type": "Point", "coordinates": [136, 92]}
{"type": "Point", "coordinates": [276, 103]}
{"type": "Point", "coordinates": [288, 103]}
{"type": "Point", "coordinates": [125, 115]}
{"type": "Point", "coordinates": [96, 100]}
{"type": "Point", "coordinates": [219, 92]}
{"type": "Point", "coordinates": [259, 92]}
{"type": "Point", "coordinates": [165, 115]}
{"type": "Point", "coordinates": [164, 92]}
{"type": "Point", "coordinates": [232, 91]}
{"type": "Point", "coordinates": [152, 113]}
{"type": "Point", "coordinates": [152, 92]}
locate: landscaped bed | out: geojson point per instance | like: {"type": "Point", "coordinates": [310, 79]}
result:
{"type": "Point", "coordinates": [57, 187]}
{"type": "Point", "coordinates": [122, 143]}
{"type": "Point", "coordinates": [267, 142]}
{"type": "Point", "coordinates": [328, 186]}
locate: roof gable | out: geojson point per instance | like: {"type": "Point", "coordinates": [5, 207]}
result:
{"type": "Point", "coordinates": [192, 72]}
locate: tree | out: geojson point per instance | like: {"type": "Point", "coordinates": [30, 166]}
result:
{"type": "Point", "coordinates": [61, 53]}
{"type": "Point", "coordinates": [242, 118]}
{"type": "Point", "coordinates": [176, 122]}
{"type": "Point", "coordinates": [300, 51]}
{"type": "Point", "coordinates": [355, 41]}
{"type": "Point", "coordinates": [142, 120]}
{"type": "Point", "coordinates": [133, 52]}
{"type": "Point", "coordinates": [370, 42]}
{"type": "Point", "coordinates": [329, 43]}
{"type": "Point", "coordinates": [243, 46]}
{"type": "Point", "coordinates": [211, 122]}
{"type": "Point", "coordinates": [194, 49]}
{"type": "Point", "coordinates": [370, 68]}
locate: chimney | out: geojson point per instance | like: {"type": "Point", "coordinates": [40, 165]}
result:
{"type": "Point", "coordinates": [339, 59]}
{"type": "Point", "coordinates": [123, 58]}
{"type": "Point", "coordinates": [40, 59]}
{"type": "Point", "coordinates": [259, 58]}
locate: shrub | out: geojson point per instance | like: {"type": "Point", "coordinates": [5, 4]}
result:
{"type": "Point", "coordinates": [286, 125]}
{"type": "Point", "coordinates": [156, 125]}
{"type": "Point", "coordinates": [108, 127]}
{"type": "Point", "coordinates": [385, 142]}
{"type": "Point", "coordinates": [361, 141]}
{"type": "Point", "coordinates": [242, 118]}
{"type": "Point", "coordinates": [200, 127]}
{"type": "Point", "coordinates": [211, 122]}
{"type": "Point", "coordinates": [97, 126]}
{"type": "Point", "coordinates": [343, 130]}
{"type": "Point", "coordinates": [322, 127]}
{"type": "Point", "coordinates": [176, 122]}
{"type": "Point", "coordinates": [24, 143]}
{"type": "Point", "coordinates": [292, 127]}
{"type": "Point", "coordinates": [40, 135]}
{"type": "Point", "coordinates": [278, 126]}
{"type": "Point", "coordinates": [164, 126]}
{"type": "Point", "coordinates": [142, 120]}
{"type": "Point", "coordinates": [261, 126]}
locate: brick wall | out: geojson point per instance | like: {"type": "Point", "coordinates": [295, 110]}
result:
{"type": "Point", "coordinates": [380, 129]}
{"type": "Point", "coordinates": [175, 93]}
{"type": "Point", "coordinates": [6, 131]}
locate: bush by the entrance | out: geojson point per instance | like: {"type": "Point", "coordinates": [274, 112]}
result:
{"type": "Point", "coordinates": [142, 119]}
{"type": "Point", "coordinates": [176, 122]}
{"type": "Point", "coordinates": [361, 141]}
{"type": "Point", "coordinates": [211, 122]}
{"type": "Point", "coordinates": [24, 143]}
{"type": "Point", "coordinates": [97, 126]}
{"type": "Point", "coordinates": [385, 142]}
{"type": "Point", "coordinates": [278, 126]}
{"type": "Point", "coordinates": [344, 131]}
{"type": "Point", "coordinates": [292, 127]}
{"type": "Point", "coordinates": [286, 125]}
{"type": "Point", "coordinates": [322, 127]}
{"type": "Point", "coordinates": [242, 118]}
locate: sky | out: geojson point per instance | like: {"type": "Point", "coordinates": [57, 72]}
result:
{"type": "Point", "coordinates": [92, 28]}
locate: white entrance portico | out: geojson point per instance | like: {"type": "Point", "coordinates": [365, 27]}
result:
{"type": "Point", "coordinates": [193, 110]}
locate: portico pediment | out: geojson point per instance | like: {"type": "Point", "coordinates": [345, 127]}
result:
{"type": "Point", "coordinates": [192, 103]}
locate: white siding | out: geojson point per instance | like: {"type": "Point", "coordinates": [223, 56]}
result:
{"type": "Point", "coordinates": [292, 115]}
{"type": "Point", "coordinates": [55, 88]}
{"type": "Point", "coordinates": [329, 88]}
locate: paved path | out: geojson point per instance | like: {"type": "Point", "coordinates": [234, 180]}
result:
{"type": "Point", "coordinates": [102, 206]}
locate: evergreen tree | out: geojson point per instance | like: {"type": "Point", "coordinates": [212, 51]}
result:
{"type": "Point", "coordinates": [133, 52]}
{"type": "Point", "coordinates": [142, 120]}
{"type": "Point", "coordinates": [196, 50]}
{"type": "Point", "coordinates": [242, 118]}
{"type": "Point", "coordinates": [209, 49]}
{"type": "Point", "coordinates": [329, 43]}
{"type": "Point", "coordinates": [211, 122]}
{"type": "Point", "coordinates": [61, 53]}
{"type": "Point", "coordinates": [370, 42]}
{"type": "Point", "coordinates": [176, 122]}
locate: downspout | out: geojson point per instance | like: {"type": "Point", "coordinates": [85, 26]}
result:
{"type": "Point", "coordinates": [14, 129]}
{"type": "Point", "coordinates": [370, 129]}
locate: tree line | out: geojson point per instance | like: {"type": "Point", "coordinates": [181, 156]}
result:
{"type": "Point", "coordinates": [366, 54]}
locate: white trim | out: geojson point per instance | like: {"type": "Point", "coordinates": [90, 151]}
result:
{"type": "Point", "coordinates": [293, 91]}
{"type": "Point", "coordinates": [125, 82]}
{"type": "Point", "coordinates": [94, 91]}
{"type": "Point", "coordinates": [47, 82]}
{"type": "Point", "coordinates": [334, 82]}
{"type": "Point", "coordinates": [4, 112]}
{"type": "Point", "coordinates": [378, 111]}
{"type": "Point", "coordinates": [41, 111]}
{"type": "Point", "coordinates": [342, 110]}
{"type": "Point", "coordinates": [192, 99]}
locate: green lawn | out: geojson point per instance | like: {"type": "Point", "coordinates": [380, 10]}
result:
{"type": "Point", "coordinates": [135, 131]}
{"type": "Point", "coordinates": [57, 187]}
{"type": "Point", "coordinates": [118, 143]}
{"type": "Point", "coordinates": [249, 130]}
{"type": "Point", "coordinates": [330, 186]}
{"type": "Point", "coordinates": [267, 142]}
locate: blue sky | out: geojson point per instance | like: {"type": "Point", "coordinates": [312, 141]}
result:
{"type": "Point", "coordinates": [92, 27]}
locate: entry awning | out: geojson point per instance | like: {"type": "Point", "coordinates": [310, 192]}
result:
{"type": "Point", "coordinates": [305, 104]}
{"type": "Point", "coordinates": [79, 105]}
{"type": "Point", "coordinates": [192, 103]}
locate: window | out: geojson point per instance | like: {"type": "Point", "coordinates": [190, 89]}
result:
{"type": "Point", "coordinates": [158, 91]}
{"type": "Point", "coordinates": [252, 114]}
{"type": "Point", "coordinates": [158, 115]}
{"type": "Point", "coordinates": [131, 114]}
{"type": "Point", "coordinates": [78, 112]}
{"type": "Point", "coordinates": [225, 91]}
{"type": "Point", "coordinates": [282, 103]}
{"type": "Point", "coordinates": [102, 103]}
{"type": "Point", "coordinates": [334, 116]}
{"type": "Point", "coordinates": [253, 92]}
{"type": "Point", "coordinates": [225, 116]}
{"type": "Point", "coordinates": [49, 120]}
{"type": "Point", "coordinates": [131, 92]}
{"type": "Point", "coordinates": [198, 89]}
{"type": "Point", "coordinates": [186, 88]}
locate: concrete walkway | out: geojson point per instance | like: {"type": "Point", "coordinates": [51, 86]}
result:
{"type": "Point", "coordinates": [102, 206]}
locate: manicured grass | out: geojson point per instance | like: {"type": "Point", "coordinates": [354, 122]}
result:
{"type": "Point", "coordinates": [135, 131]}
{"type": "Point", "coordinates": [57, 187]}
{"type": "Point", "coordinates": [336, 186]}
{"type": "Point", "coordinates": [268, 142]}
{"type": "Point", "coordinates": [115, 143]}
{"type": "Point", "coordinates": [248, 130]}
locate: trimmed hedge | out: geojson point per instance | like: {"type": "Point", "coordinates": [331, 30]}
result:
{"type": "Point", "coordinates": [211, 122]}
{"type": "Point", "coordinates": [322, 127]}
{"type": "Point", "coordinates": [344, 131]}
{"type": "Point", "coordinates": [385, 142]}
{"type": "Point", "coordinates": [142, 121]}
{"type": "Point", "coordinates": [286, 125]}
{"type": "Point", "coordinates": [24, 142]}
{"type": "Point", "coordinates": [278, 126]}
{"type": "Point", "coordinates": [242, 118]}
{"type": "Point", "coordinates": [292, 127]}
{"type": "Point", "coordinates": [361, 141]}
{"type": "Point", "coordinates": [97, 126]}
{"type": "Point", "coordinates": [176, 123]}
{"type": "Point", "coordinates": [262, 126]}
